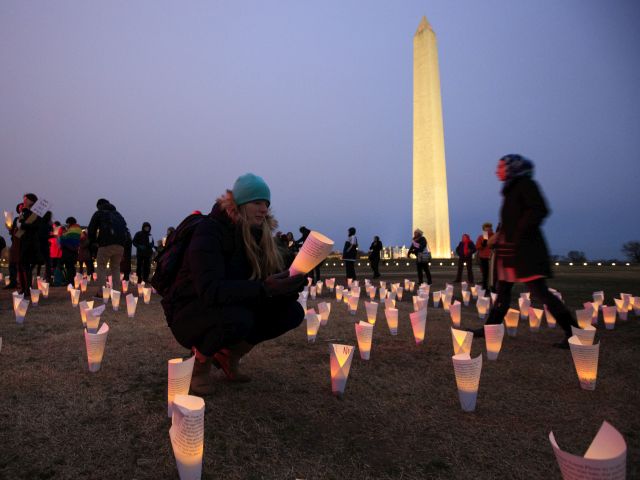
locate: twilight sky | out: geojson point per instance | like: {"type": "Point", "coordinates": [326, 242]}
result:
{"type": "Point", "coordinates": [159, 106]}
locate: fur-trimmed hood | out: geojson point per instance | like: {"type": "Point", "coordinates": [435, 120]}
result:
{"type": "Point", "coordinates": [226, 206]}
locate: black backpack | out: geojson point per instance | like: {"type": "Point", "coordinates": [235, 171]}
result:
{"type": "Point", "coordinates": [113, 228]}
{"type": "Point", "coordinates": [169, 260]}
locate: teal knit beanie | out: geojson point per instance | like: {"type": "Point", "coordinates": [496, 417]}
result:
{"type": "Point", "coordinates": [250, 187]}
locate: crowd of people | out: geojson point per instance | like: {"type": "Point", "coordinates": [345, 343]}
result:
{"type": "Point", "coordinates": [232, 289]}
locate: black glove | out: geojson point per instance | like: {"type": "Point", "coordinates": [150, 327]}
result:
{"type": "Point", "coordinates": [282, 284]}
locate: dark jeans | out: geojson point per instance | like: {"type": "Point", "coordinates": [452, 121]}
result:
{"type": "Point", "coordinates": [225, 326]}
{"type": "Point", "coordinates": [484, 268]}
{"type": "Point", "coordinates": [25, 277]}
{"type": "Point", "coordinates": [351, 269]}
{"type": "Point", "coordinates": [469, 263]}
{"type": "Point", "coordinates": [69, 261]}
{"type": "Point", "coordinates": [13, 274]}
{"type": "Point", "coordinates": [539, 293]}
{"type": "Point", "coordinates": [423, 266]}
{"type": "Point", "coordinates": [375, 264]}
{"type": "Point", "coordinates": [143, 267]}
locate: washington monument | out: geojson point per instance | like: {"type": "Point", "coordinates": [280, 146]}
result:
{"type": "Point", "coordinates": [430, 202]}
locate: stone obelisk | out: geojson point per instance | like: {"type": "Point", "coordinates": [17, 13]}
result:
{"type": "Point", "coordinates": [430, 201]}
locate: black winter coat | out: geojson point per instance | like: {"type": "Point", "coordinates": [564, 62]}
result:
{"type": "Point", "coordinates": [107, 227]}
{"type": "Point", "coordinates": [143, 241]}
{"type": "Point", "coordinates": [30, 252]}
{"type": "Point", "coordinates": [523, 211]}
{"type": "Point", "coordinates": [215, 271]}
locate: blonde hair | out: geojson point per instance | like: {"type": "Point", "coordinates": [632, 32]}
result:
{"type": "Point", "coordinates": [264, 257]}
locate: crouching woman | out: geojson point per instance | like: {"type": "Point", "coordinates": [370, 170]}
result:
{"type": "Point", "coordinates": [231, 292]}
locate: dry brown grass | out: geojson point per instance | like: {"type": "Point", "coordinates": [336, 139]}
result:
{"type": "Point", "coordinates": [400, 416]}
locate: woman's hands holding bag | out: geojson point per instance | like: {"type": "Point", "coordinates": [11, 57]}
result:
{"type": "Point", "coordinates": [282, 284]}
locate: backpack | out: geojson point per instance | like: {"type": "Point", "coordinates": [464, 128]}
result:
{"type": "Point", "coordinates": [169, 260]}
{"type": "Point", "coordinates": [113, 228]}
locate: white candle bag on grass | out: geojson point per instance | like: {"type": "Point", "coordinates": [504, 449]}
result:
{"type": "Point", "coordinates": [83, 285]}
{"type": "Point", "coordinates": [45, 289]}
{"type": "Point", "coordinates": [418, 325]}
{"type": "Point", "coordinates": [140, 287]}
{"type": "Point", "coordinates": [106, 294]}
{"type": "Point", "coordinates": [372, 311]}
{"type": "Point", "coordinates": [622, 307]}
{"type": "Point", "coordinates": [95, 343]}
{"type": "Point", "coordinates": [493, 336]}
{"type": "Point", "coordinates": [446, 301]}
{"type": "Point", "coordinates": [399, 293]}
{"type": "Point", "coordinates": [84, 306]}
{"type": "Point", "coordinates": [524, 304]}
{"type": "Point", "coordinates": [551, 320]}
{"type": "Point", "coordinates": [353, 304]}
{"type": "Point", "coordinates": [16, 297]}
{"type": "Point", "coordinates": [35, 296]}
{"type": "Point", "coordinates": [466, 297]}
{"type": "Point", "coordinates": [593, 308]}
{"type": "Point", "coordinates": [585, 359]}
{"type": "Point", "coordinates": [462, 341]}
{"type": "Point", "coordinates": [178, 379]}
{"type": "Point", "coordinates": [436, 298]}
{"type": "Point", "coordinates": [132, 303]}
{"type": "Point", "coordinates": [511, 322]}
{"type": "Point", "coordinates": [93, 318]}
{"type": "Point", "coordinates": [75, 297]}
{"type": "Point", "coordinates": [146, 295]}
{"type": "Point", "coordinates": [392, 319]}
{"type": "Point", "coordinates": [382, 293]}
{"type": "Point", "coordinates": [340, 362]}
{"type": "Point", "coordinates": [313, 324]}
{"type": "Point", "coordinates": [319, 286]}
{"type": "Point", "coordinates": [383, 284]}
{"type": "Point", "coordinates": [371, 291]}
{"type": "Point", "coordinates": [187, 435]}
{"type": "Point", "coordinates": [467, 371]}
{"type": "Point", "coordinates": [535, 319]}
{"type": "Point", "coordinates": [584, 317]}
{"type": "Point", "coordinates": [609, 314]}
{"type": "Point", "coordinates": [448, 289]}
{"type": "Point", "coordinates": [115, 300]}
{"type": "Point", "coordinates": [482, 305]}
{"type": "Point", "coordinates": [598, 298]}
{"type": "Point", "coordinates": [626, 298]}
{"type": "Point", "coordinates": [314, 250]}
{"type": "Point", "coordinates": [339, 292]}
{"type": "Point", "coordinates": [324, 309]}
{"type": "Point", "coordinates": [76, 281]}
{"type": "Point", "coordinates": [474, 291]}
{"type": "Point", "coordinates": [20, 310]}
{"type": "Point", "coordinates": [125, 286]}
{"type": "Point", "coordinates": [454, 312]}
{"type": "Point", "coordinates": [585, 335]}
{"type": "Point", "coordinates": [605, 459]}
{"type": "Point", "coordinates": [364, 334]}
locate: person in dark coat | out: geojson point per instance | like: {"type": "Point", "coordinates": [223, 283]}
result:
{"type": "Point", "coordinates": [70, 243]}
{"type": "Point", "coordinates": [521, 251]}
{"type": "Point", "coordinates": [374, 256]}
{"type": "Point", "coordinates": [28, 231]}
{"type": "Point", "coordinates": [231, 291]}
{"type": "Point", "coordinates": [350, 253]}
{"type": "Point", "coordinates": [420, 248]}
{"type": "Point", "coordinates": [14, 251]}
{"type": "Point", "coordinates": [465, 250]}
{"type": "Point", "coordinates": [485, 251]}
{"type": "Point", "coordinates": [144, 245]}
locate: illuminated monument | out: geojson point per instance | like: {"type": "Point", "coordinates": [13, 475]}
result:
{"type": "Point", "coordinates": [430, 202]}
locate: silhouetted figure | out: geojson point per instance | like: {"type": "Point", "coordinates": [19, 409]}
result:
{"type": "Point", "coordinates": [374, 256]}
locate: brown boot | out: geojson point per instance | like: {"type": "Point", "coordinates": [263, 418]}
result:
{"type": "Point", "coordinates": [200, 379]}
{"type": "Point", "coordinates": [228, 359]}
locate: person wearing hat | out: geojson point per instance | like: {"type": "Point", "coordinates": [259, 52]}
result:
{"type": "Point", "coordinates": [232, 291]}
{"type": "Point", "coordinates": [420, 248]}
{"type": "Point", "coordinates": [484, 252]}
{"type": "Point", "coordinates": [521, 251]}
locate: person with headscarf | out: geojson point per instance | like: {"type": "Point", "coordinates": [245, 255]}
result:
{"type": "Point", "coordinates": [521, 251]}
{"type": "Point", "coordinates": [465, 250]}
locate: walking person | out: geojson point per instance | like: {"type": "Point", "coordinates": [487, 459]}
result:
{"type": "Point", "coordinates": [350, 253]}
{"type": "Point", "coordinates": [420, 248]}
{"type": "Point", "coordinates": [70, 243]}
{"type": "Point", "coordinates": [521, 251]}
{"type": "Point", "coordinates": [484, 252]}
{"type": "Point", "coordinates": [374, 256]}
{"type": "Point", "coordinates": [144, 245]}
{"type": "Point", "coordinates": [108, 230]}
{"type": "Point", "coordinates": [232, 291]}
{"type": "Point", "coordinates": [465, 250]}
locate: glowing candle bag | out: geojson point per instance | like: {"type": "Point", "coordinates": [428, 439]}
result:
{"type": "Point", "coordinates": [84, 306]}
{"type": "Point", "coordinates": [313, 324]}
{"type": "Point", "coordinates": [605, 459]}
{"type": "Point", "coordinates": [535, 318]}
{"type": "Point", "coordinates": [524, 304]}
{"type": "Point", "coordinates": [493, 336]}
{"type": "Point", "coordinates": [584, 317]}
{"type": "Point", "coordinates": [461, 341]}
{"type": "Point", "coordinates": [146, 295]}
{"type": "Point", "coordinates": [125, 286]}
{"type": "Point", "coordinates": [585, 359]}
{"type": "Point", "coordinates": [106, 294]}
{"type": "Point", "coordinates": [598, 298]}
{"type": "Point", "coordinates": [585, 335]}
{"type": "Point", "coordinates": [178, 379]}
{"type": "Point", "coordinates": [467, 371]}
{"type": "Point", "coordinates": [466, 297]}
{"type": "Point", "coordinates": [446, 301]}
{"type": "Point", "coordinates": [83, 285]}
{"type": "Point", "coordinates": [372, 311]}
{"type": "Point", "coordinates": [319, 286]}
{"type": "Point", "coordinates": [45, 289]}
{"type": "Point", "coordinates": [392, 319]}
{"type": "Point", "coordinates": [551, 320]}
{"type": "Point", "coordinates": [474, 291]}
{"type": "Point", "coordinates": [353, 304]}
{"type": "Point", "coordinates": [436, 298]}
{"type": "Point", "coordinates": [95, 343]}
{"type": "Point", "coordinates": [418, 324]}
{"type": "Point", "coordinates": [511, 321]}
{"type": "Point", "coordinates": [140, 287]}
{"type": "Point", "coordinates": [20, 309]}
{"type": "Point", "coordinates": [35, 296]}
{"type": "Point", "coordinates": [609, 315]}
{"type": "Point", "coordinates": [622, 306]}
{"type": "Point", "coordinates": [454, 312]}
{"type": "Point", "coordinates": [339, 292]}
{"type": "Point", "coordinates": [93, 318]}
{"type": "Point", "coordinates": [132, 303]}
{"type": "Point", "coordinates": [75, 297]}
{"type": "Point", "coordinates": [340, 362]}
{"type": "Point", "coordinates": [482, 305]}
{"type": "Point", "coordinates": [593, 308]}
{"type": "Point", "coordinates": [115, 300]}
{"type": "Point", "coordinates": [324, 309]}
{"type": "Point", "coordinates": [314, 250]}
{"type": "Point", "coordinates": [364, 334]}
{"type": "Point", "coordinates": [187, 435]}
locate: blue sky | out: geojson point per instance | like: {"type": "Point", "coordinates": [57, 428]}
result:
{"type": "Point", "coordinates": [159, 106]}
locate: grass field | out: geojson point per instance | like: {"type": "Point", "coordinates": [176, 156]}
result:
{"type": "Point", "coordinates": [400, 417]}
